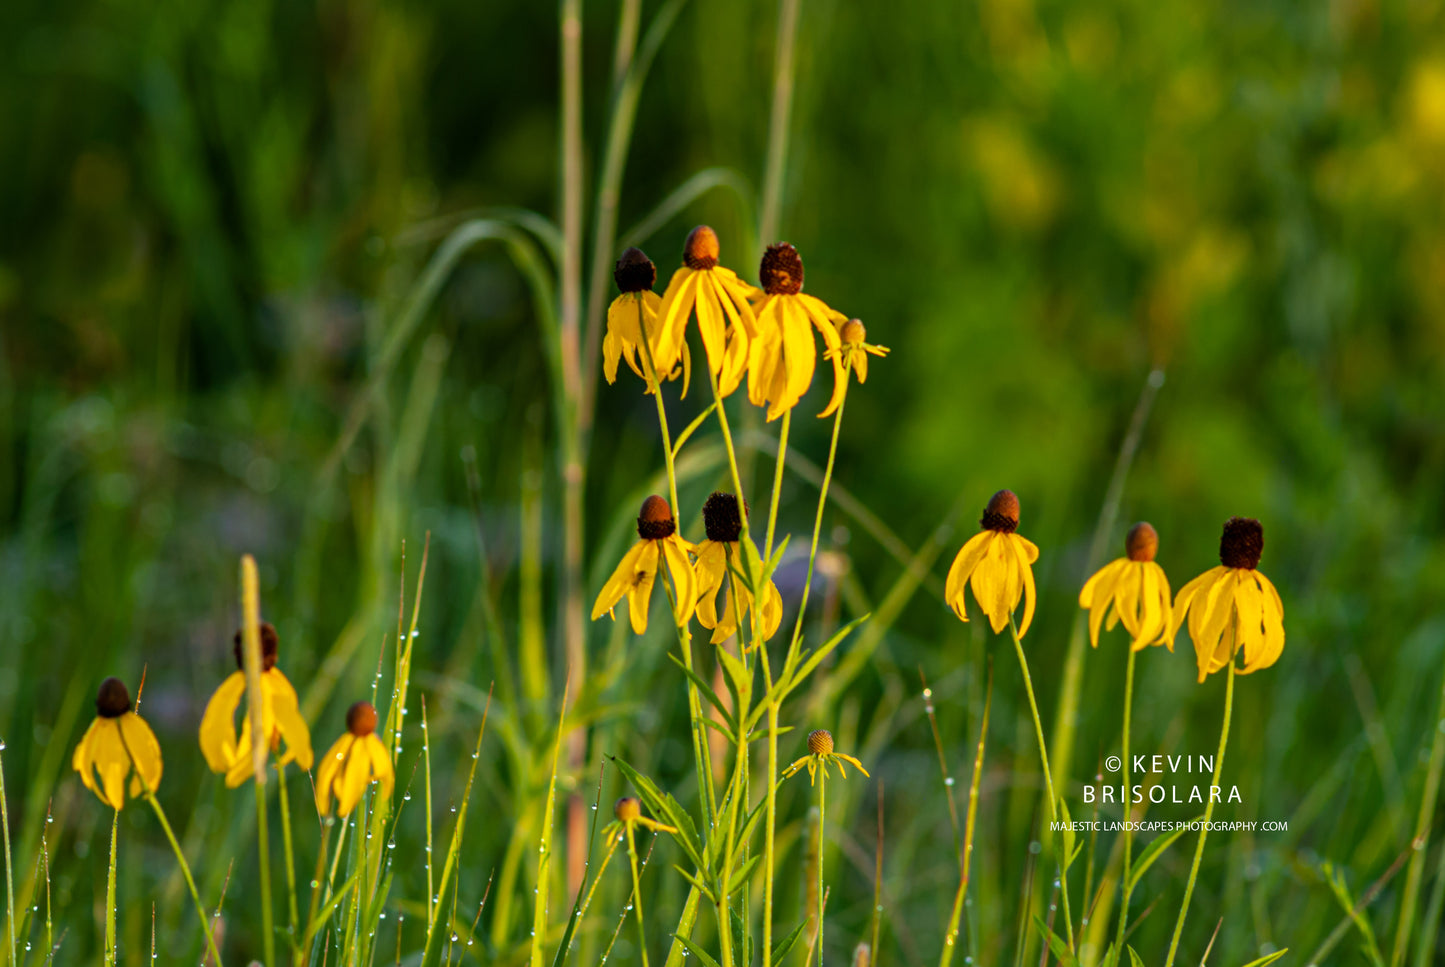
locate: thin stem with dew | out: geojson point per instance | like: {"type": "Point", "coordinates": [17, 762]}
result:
{"type": "Point", "coordinates": [292, 922]}
{"type": "Point", "coordinates": [110, 893]}
{"type": "Point", "coordinates": [1062, 861]}
{"type": "Point", "coordinates": [1208, 814]}
{"type": "Point", "coordinates": [636, 895]}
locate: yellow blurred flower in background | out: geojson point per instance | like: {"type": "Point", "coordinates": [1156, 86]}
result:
{"type": "Point", "coordinates": [1132, 589]}
{"type": "Point", "coordinates": [998, 563]}
{"type": "Point", "coordinates": [1233, 606]}
{"type": "Point", "coordinates": [355, 761]}
{"type": "Point", "coordinates": [280, 717]}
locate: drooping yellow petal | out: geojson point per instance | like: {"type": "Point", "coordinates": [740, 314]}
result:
{"type": "Point", "coordinates": [145, 751]}
{"type": "Point", "coordinates": [1152, 616]}
{"type": "Point", "coordinates": [1090, 592]}
{"type": "Point", "coordinates": [1027, 572]}
{"type": "Point", "coordinates": [1249, 604]}
{"type": "Point", "coordinates": [710, 568]}
{"type": "Point", "coordinates": [1126, 597]}
{"type": "Point", "coordinates": [1273, 622]}
{"type": "Point", "coordinates": [1186, 597]}
{"type": "Point", "coordinates": [381, 768]}
{"type": "Point", "coordinates": [684, 581]}
{"type": "Point", "coordinates": [218, 723]}
{"type": "Point", "coordinates": [962, 569]}
{"type": "Point", "coordinates": [329, 769]}
{"type": "Point", "coordinates": [772, 611]}
{"type": "Point", "coordinates": [710, 322]}
{"type": "Point", "coordinates": [1102, 595]}
{"type": "Point", "coordinates": [735, 359]}
{"type": "Point", "coordinates": [639, 594]}
{"type": "Point", "coordinates": [677, 305]}
{"type": "Point", "coordinates": [83, 759]}
{"type": "Point", "coordinates": [355, 775]}
{"type": "Point", "coordinates": [289, 723]}
{"type": "Point", "coordinates": [111, 762]}
{"type": "Point", "coordinates": [1219, 610]}
{"type": "Point", "coordinates": [621, 581]}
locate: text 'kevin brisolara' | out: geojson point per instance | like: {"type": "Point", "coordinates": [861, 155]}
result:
{"type": "Point", "coordinates": [1170, 826]}
{"type": "Point", "coordinates": [1161, 794]}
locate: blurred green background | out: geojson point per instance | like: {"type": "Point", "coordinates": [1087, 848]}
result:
{"type": "Point", "coordinates": [213, 213]}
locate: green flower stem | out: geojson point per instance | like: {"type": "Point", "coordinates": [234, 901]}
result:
{"type": "Point", "coordinates": [1414, 873]}
{"type": "Point", "coordinates": [1128, 833]}
{"type": "Point", "coordinates": [110, 894]}
{"type": "Point", "coordinates": [636, 895]}
{"type": "Point", "coordinates": [818, 518]}
{"type": "Point", "coordinates": [1048, 782]}
{"type": "Point", "coordinates": [722, 422]}
{"type": "Point", "coordinates": [291, 922]}
{"type": "Point", "coordinates": [263, 848]}
{"type": "Point", "coordinates": [1208, 813]}
{"type": "Point", "coordinates": [185, 872]}
{"type": "Point", "coordinates": [694, 702]}
{"type": "Point", "coordinates": [822, 843]}
{"type": "Point", "coordinates": [777, 484]}
{"type": "Point", "coordinates": [316, 888]}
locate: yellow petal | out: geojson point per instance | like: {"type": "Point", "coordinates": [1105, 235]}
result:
{"type": "Point", "coordinates": [1249, 603]}
{"type": "Point", "coordinates": [289, 722]}
{"type": "Point", "coordinates": [677, 303]}
{"type": "Point", "coordinates": [83, 759]}
{"type": "Point", "coordinates": [218, 723]}
{"type": "Point", "coordinates": [1126, 597]}
{"type": "Point", "coordinates": [381, 769]}
{"type": "Point", "coordinates": [621, 581]}
{"type": "Point", "coordinates": [710, 322]}
{"type": "Point", "coordinates": [962, 569]}
{"type": "Point", "coordinates": [329, 768]}
{"type": "Point", "coordinates": [1186, 597]}
{"type": "Point", "coordinates": [1218, 612]}
{"type": "Point", "coordinates": [1027, 572]}
{"type": "Point", "coordinates": [710, 567]}
{"type": "Point", "coordinates": [145, 751]}
{"type": "Point", "coordinates": [1103, 595]}
{"type": "Point", "coordinates": [355, 776]}
{"type": "Point", "coordinates": [639, 593]}
{"type": "Point", "coordinates": [1273, 617]}
{"type": "Point", "coordinates": [772, 611]}
{"type": "Point", "coordinates": [1089, 594]}
{"type": "Point", "coordinates": [112, 762]}
{"type": "Point", "coordinates": [727, 622]}
{"type": "Point", "coordinates": [684, 581]}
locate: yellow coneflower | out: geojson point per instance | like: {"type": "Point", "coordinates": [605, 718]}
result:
{"type": "Point", "coordinates": [637, 571]}
{"type": "Point", "coordinates": [1132, 589]}
{"type": "Point", "coordinates": [1233, 606]}
{"type": "Point", "coordinates": [721, 302]}
{"type": "Point", "coordinates": [637, 308]}
{"type": "Point", "coordinates": [784, 355]}
{"type": "Point", "coordinates": [724, 525]}
{"type": "Point", "coordinates": [998, 562]}
{"type": "Point", "coordinates": [820, 754]}
{"type": "Point", "coordinates": [118, 745]}
{"type": "Point", "coordinates": [356, 761]}
{"type": "Point", "coordinates": [628, 811]}
{"type": "Point", "coordinates": [280, 717]}
{"type": "Point", "coordinates": [852, 353]}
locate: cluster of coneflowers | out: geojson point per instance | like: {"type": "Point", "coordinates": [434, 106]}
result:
{"type": "Point", "coordinates": [1235, 615]}
{"type": "Point", "coordinates": [119, 746]}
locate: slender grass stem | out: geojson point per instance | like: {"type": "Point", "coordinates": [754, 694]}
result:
{"type": "Point", "coordinates": [822, 844]}
{"type": "Point", "coordinates": [1048, 782]}
{"type": "Point", "coordinates": [950, 939]}
{"type": "Point", "coordinates": [722, 422]}
{"type": "Point", "coordinates": [1128, 832]}
{"type": "Point", "coordinates": [9, 876]}
{"type": "Point", "coordinates": [777, 484]}
{"type": "Point", "coordinates": [770, 818]}
{"type": "Point", "coordinates": [1413, 874]}
{"type": "Point", "coordinates": [291, 914]}
{"type": "Point", "coordinates": [636, 896]}
{"type": "Point", "coordinates": [263, 858]}
{"type": "Point", "coordinates": [822, 505]}
{"type": "Point", "coordinates": [1208, 814]}
{"type": "Point", "coordinates": [110, 893]}
{"type": "Point", "coordinates": [185, 872]}
{"type": "Point", "coordinates": [316, 887]}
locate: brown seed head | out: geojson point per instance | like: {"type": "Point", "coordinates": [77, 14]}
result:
{"type": "Point", "coordinates": [720, 517]}
{"type": "Point", "coordinates": [782, 270]}
{"type": "Point", "coordinates": [1241, 543]}
{"type": "Point", "coordinates": [1002, 513]}
{"type": "Point", "coordinates": [269, 645]}
{"type": "Point", "coordinates": [1142, 542]}
{"type": "Point", "coordinates": [655, 522]}
{"type": "Point", "coordinates": [700, 251]}
{"type": "Point", "coordinates": [112, 701]}
{"type": "Point", "coordinates": [820, 742]}
{"type": "Point", "coordinates": [627, 809]}
{"type": "Point", "coordinates": [853, 331]}
{"type": "Point", "coordinates": [635, 272]}
{"type": "Point", "coordinates": [361, 719]}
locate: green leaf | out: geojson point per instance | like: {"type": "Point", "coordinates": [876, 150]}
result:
{"type": "Point", "coordinates": [702, 955]}
{"type": "Point", "coordinates": [777, 557]}
{"type": "Point", "coordinates": [823, 651]}
{"type": "Point", "coordinates": [1056, 944]}
{"type": "Point", "coordinates": [750, 569]}
{"type": "Point", "coordinates": [1067, 835]}
{"type": "Point", "coordinates": [707, 692]}
{"type": "Point", "coordinates": [663, 805]}
{"type": "Point", "coordinates": [740, 875]}
{"type": "Point", "coordinates": [699, 885]}
{"type": "Point", "coordinates": [738, 674]}
{"type": "Point", "coordinates": [1135, 960]}
{"type": "Point", "coordinates": [1151, 852]}
{"type": "Point", "coordinates": [1269, 959]}
{"type": "Point", "coordinates": [781, 948]}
